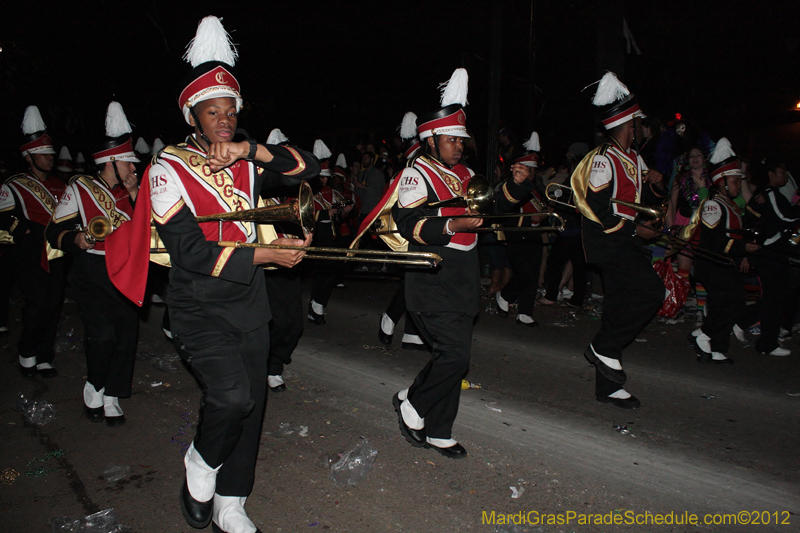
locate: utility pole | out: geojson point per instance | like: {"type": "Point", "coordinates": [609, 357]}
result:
{"type": "Point", "coordinates": [494, 88]}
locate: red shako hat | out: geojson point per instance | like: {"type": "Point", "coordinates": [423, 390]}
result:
{"type": "Point", "coordinates": [450, 119]}
{"type": "Point", "coordinates": [617, 104]}
{"type": "Point", "coordinates": [35, 137]}
{"type": "Point", "coordinates": [212, 56]}
{"type": "Point", "coordinates": [118, 145]}
{"type": "Point", "coordinates": [723, 161]}
{"type": "Point", "coordinates": [531, 159]}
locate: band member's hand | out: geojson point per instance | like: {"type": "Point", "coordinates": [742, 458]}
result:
{"type": "Point", "coordinates": [646, 231]}
{"type": "Point", "coordinates": [521, 173]}
{"type": "Point", "coordinates": [759, 198]}
{"type": "Point", "coordinates": [282, 257]}
{"type": "Point", "coordinates": [465, 224]}
{"type": "Point", "coordinates": [744, 266]}
{"type": "Point", "coordinates": [82, 243]}
{"type": "Point", "coordinates": [751, 247]}
{"type": "Point", "coordinates": [224, 154]}
{"type": "Point", "coordinates": [347, 210]}
{"type": "Point", "coordinates": [654, 176]}
{"type": "Point", "coordinates": [332, 212]}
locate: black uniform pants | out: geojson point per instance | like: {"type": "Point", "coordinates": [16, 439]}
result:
{"type": "Point", "coordinates": [110, 323]}
{"type": "Point", "coordinates": [326, 273]}
{"type": "Point", "coordinates": [724, 304]}
{"type": "Point", "coordinates": [232, 370]}
{"type": "Point", "coordinates": [633, 291]}
{"type": "Point", "coordinates": [285, 291]}
{"type": "Point", "coordinates": [8, 271]}
{"type": "Point", "coordinates": [436, 390]}
{"type": "Point", "coordinates": [525, 256]}
{"type": "Point", "coordinates": [566, 248]}
{"type": "Point", "coordinates": [397, 307]}
{"type": "Point", "coordinates": [779, 284]}
{"type": "Point", "coordinates": [44, 297]}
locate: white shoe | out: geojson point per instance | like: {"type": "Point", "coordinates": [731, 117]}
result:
{"type": "Point", "coordinates": [739, 333]}
{"type": "Point", "coordinates": [780, 352]}
{"type": "Point", "coordinates": [704, 342]}
{"type": "Point", "coordinates": [274, 381]}
{"type": "Point", "coordinates": [201, 479]}
{"type": "Point", "coordinates": [230, 516]}
{"type": "Point", "coordinates": [91, 397]}
{"type": "Point", "coordinates": [698, 332]}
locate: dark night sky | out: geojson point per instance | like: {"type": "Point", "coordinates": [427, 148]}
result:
{"type": "Point", "coordinates": [350, 69]}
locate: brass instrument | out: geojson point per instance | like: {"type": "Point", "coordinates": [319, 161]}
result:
{"type": "Point", "coordinates": [554, 191]}
{"type": "Point", "coordinates": [425, 259]}
{"type": "Point", "coordinates": [97, 229]}
{"type": "Point", "coordinates": [299, 211]}
{"type": "Point", "coordinates": [645, 212]}
{"type": "Point", "coordinates": [478, 197]}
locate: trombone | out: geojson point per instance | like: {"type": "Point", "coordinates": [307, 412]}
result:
{"type": "Point", "coordinates": [554, 192]}
{"type": "Point", "coordinates": [97, 229]}
{"type": "Point", "coordinates": [301, 212]}
{"type": "Point", "coordinates": [479, 197]}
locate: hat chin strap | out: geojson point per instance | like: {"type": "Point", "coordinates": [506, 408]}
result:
{"type": "Point", "coordinates": [37, 167]}
{"type": "Point", "coordinates": [438, 156]}
{"type": "Point", "coordinates": [199, 127]}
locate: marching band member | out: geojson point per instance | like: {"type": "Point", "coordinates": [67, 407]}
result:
{"type": "Point", "coordinates": [518, 195]}
{"type": "Point", "coordinates": [27, 202]}
{"type": "Point", "coordinates": [775, 219]}
{"type": "Point", "coordinates": [612, 242]}
{"type": "Point", "coordinates": [443, 302]}
{"type": "Point", "coordinates": [110, 321]}
{"type": "Point", "coordinates": [218, 303]}
{"type": "Point", "coordinates": [284, 288]}
{"type": "Point", "coordinates": [714, 218]}
{"type": "Point", "coordinates": [327, 204]}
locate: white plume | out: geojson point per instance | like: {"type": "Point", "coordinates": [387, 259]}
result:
{"type": "Point", "coordinates": [158, 145]}
{"type": "Point", "coordinates": [320, 150]}
{"type": "Point", "coordinates": [341, 161]}
{"type": "Point", "coordinates": [408, 127]}
{"type": "Point", "coordinates": [276, 136]}
{"type": "Point", "coordinates": [116, 122]}
{"type": "Point", "coordinates": [79, 158]}
{"type": "Point", "coordinates": [722, 151]}
{"type": "Point", "coordinates": [211, 43]}
{"type": "Point", "coordinates": [454, 91]}
{"type": "Point", "coordinates": [609, 89]}
{"type": "Point", "coordinates": [532, 144]}
{"type": "Point", "coordinates": [32, 121]}
{"type": "Point", "coordinates": [64, 154]}
{"type": "Point", "coordinates": [141, 146]}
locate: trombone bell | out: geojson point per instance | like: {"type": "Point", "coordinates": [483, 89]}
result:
{"type": "Point", "coordinates": [478, 196]}
{"type": "Point", "coordinates": [98, 229]}
{"type": "Point", "coordinates": [299, 211]}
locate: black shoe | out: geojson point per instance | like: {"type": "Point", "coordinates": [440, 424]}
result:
{"type": "Point", "coordinates": [415, 346]}
{"type": "Point", "coordinates": [501, 313]}
{"type": "Point", "coordinates": [216, 529]}
{"type": "Point", "coordinates": [115, 421]}
{"type": "Point", "coordinates": [456, 451]}
{"type": "Point", "coordinates": [617, 376]}
{"type": "Point", "coordinates": [28, 371]}
{"type": "Point", "coordinates": [626, 403]}
{"type": "Point", "coordinates": [197, 514]}
{"type": "Point", "coordinates": [279, 388]}
{"type": "Point", "coordinates": [47, 372]}
{"type": "Point", "coordinates": [533, 324]}
{"type": "Point", "coordinates": [415, 437]}
{"type": "Point", "coordinates": [314, 318]}
{"type": "Point", "coordinates": [94, 414]}
{"type": "Point", "coordinates": [385, 339]}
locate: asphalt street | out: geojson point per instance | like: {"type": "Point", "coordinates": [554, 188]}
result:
{"type": "Point", "coordinates": [708, 440]}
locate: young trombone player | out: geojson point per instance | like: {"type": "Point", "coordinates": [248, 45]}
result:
{"type": "Point", "coordinates": [612, 242]}
{"type": "Point", "coordinates": [218, 302]}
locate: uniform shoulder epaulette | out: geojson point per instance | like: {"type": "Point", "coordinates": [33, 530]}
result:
{"type": "Point", "coordinates": [76, 177]}
{"type": "Point", "coordinates": [14, 177]}
{"type": "Point", "coordinates": [603, 148]}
